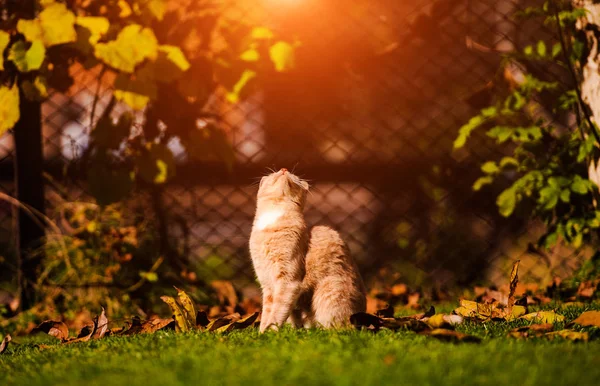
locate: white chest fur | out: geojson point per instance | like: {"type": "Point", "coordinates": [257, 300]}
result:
{"type": "Point", "coordinates": [268, 218]}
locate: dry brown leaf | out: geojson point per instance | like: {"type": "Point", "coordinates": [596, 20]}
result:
{"type": "Point", "coordinates": [202, 319]}
{"type": "Point", "coordinates": [365, 320]}
{"type": "Point", "coordinates": [101, 323]}
{"type": "Point", "coordinates": [589, 318]}
{"type": "Point", "coordinates": [225, 292]}
{"type": "Point", "coordinates": [153, 325]}
{"type": "Point", "coordinates": [514, 280]}
{"type": "Point", "coordinates": [451, 335]}
{"type": "Point", "coordinates": [387, 312]}
{"type": "Point", "coordinates": [587, 289]}
{"type": "Point", "coordinates": [222, 321]}
{"type": "Point", "coordinates": [84, 335]}
{"type": "Point", "coordinates": [239, 324]}
{"type": "Point", "coordinates": [53, 328]}
{"type": "Point", "coordinates": [4, 343]}
{"type": "Point", "coordinates": [531, 330]}
{"type": "Point", "coordinates": [135, 327]}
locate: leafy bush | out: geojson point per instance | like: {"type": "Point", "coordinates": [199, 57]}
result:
{"type": "Point", "coordinates": [550, 161]}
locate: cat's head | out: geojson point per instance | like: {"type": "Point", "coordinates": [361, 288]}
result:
{"type": "Point", "coordinates": [283, 186]}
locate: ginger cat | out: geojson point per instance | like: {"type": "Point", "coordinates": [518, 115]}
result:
{"type": "Point", "coordinates": [306, 279]}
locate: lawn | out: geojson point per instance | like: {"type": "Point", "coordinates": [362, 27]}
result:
{"type": "Point", "coordinates": [298, 357]}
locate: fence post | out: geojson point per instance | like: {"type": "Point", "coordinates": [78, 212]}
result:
{"type": "Point", "coordinates": [29, 184]}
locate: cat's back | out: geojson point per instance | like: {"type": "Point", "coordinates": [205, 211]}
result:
{"type": "Point", "coordinates": [328, 255]}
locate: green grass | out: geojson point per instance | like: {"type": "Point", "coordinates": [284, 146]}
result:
{"type": "Point", "coordinates": [299, 357]}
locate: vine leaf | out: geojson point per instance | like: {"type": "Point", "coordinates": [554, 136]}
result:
{"type": "Point", "coordinates": [133, 45]}
{"type": "Point", "coordinates": [4, 40]}
{"type": "Point", "coordinates": [97, 27]}
{"type": "Point", "coordinates": [9, 107]}
{"type": "Point", "coordinates": [27, 59]}
{"type": "Point", "coordinates": [55, 25]}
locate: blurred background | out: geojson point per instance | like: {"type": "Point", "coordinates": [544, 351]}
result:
{"type": "Point", "coordinates": [367, 113]}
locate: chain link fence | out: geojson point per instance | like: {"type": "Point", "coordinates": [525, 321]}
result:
{"type": "Point", "coordinates": [369, 118]}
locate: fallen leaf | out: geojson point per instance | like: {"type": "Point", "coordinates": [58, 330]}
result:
{"type": "Point", "coordinates": [405, 324]}
{"type": "Point", "coordinates": [570, 335]}
{"type": "Point", "coordinates": [225, 292]}
{"type": "Point", "coordinates": [153, 325]}
{"type": "Point", "coordinates": [587, 289]}
{"type": "Point", "coordinates": [101, 323]}
{"type": "Point", "coordinates": [514, 280]}
{"type": "Point", "coordinates": [387, 312]}
{"type": "Point", "coordinates": [187, 304]}
{"type": "Point", "coordinates": [473, 310]}
{"type": "Point", "coordinates": [222, 321]}
{"type": "Point", "coordinates": [443, 321]}
{"type": "Point", "coordinates": [202, 319]}
{"type": "Point", "coordinates": [85, 334]}
{"type": "Point", "coordinates": [134, 328]}
{"type": "Point", "coordinates": [239, 324]}
{"type": "Point", "coordinates": [363, 319]}
{"type": "Point", "coordinates": [589, 318]}
{"type": "Point", "coordinates": [53, 328]}
{"type": "Point", "coordinates": [451, 336]}
{"type": "Point", "coordinates": [4, 344]}
{"type": "Point", "coordinates": [544, 317]}
{"type": "Point", "coordinates": [531, 330]}
{"type": "Point", "coordinates": [181, 318]}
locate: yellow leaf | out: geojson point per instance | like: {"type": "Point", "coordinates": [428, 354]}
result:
{"type": "Point", "coordinates": [9, 107]}
{"type": "Point", "coordinates": [589, 318]}
{"type": "Point", "coordinates": [31, 29]}
{"type": "Point", "coordinates": [544, 317]}
{"type": "Point", "coordinates": [180, 319]}
{"type": "Point", "coordinates": [188, 306]}
{"type": "Point", "coordinates": [57, 25]}
{"type": "Point", "coordinates": [283, 56]}
{"type": "Point", "coordinates": [4, 40]}
{"type": "Point", "coordinates": [133, 45]}
{"type": "Point", "coordinates": [27, 59]}
{"type": "Point", "coordinates": [570, 335]}
{"type": "Point", "coordinates": [97, 26]}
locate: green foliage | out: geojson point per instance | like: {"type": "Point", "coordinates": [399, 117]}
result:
{"type": "Point", "coordinates": [548, 165]}
{"type": "Point", "coordinates": [162, 63]}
